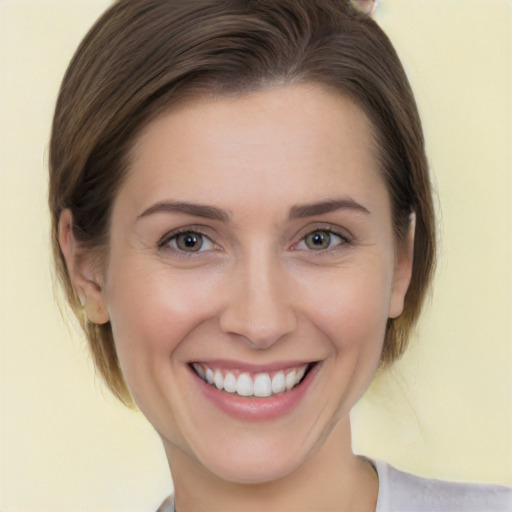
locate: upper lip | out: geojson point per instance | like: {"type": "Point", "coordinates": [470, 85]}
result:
{"type": "Point", "coordinates": [224, 364]}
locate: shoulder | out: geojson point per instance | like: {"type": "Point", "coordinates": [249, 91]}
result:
{"type": "Point", "coordinates": [403, 492]}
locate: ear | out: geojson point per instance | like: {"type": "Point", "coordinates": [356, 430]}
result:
{"type": "Point", "coordinates": [87, 281]}
{"type": "Point", "coordinates": [402, 271]}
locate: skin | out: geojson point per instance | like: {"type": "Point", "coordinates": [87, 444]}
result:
{"type": "Point", "coordinates": [255, 292]}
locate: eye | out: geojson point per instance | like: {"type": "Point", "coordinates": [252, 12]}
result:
{"type": "Point", "coordinates": [321, 240]}
{"type": "Point", "coordinates": [188, 241]}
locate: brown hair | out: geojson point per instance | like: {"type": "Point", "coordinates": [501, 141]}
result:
{"type": "Point", "coordinates": [142, 56]}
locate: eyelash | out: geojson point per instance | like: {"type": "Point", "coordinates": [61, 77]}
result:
{"type": "Point", "coordinates": [167, 239]}
{"type": "Point", "coordinates": [343, 240]}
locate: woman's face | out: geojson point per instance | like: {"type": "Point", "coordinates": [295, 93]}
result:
{"type": "Point", "coordinates": [252, 242]}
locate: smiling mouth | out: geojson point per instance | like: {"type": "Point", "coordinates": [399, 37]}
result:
{"type": "Point", "coordinates": [252, 384]}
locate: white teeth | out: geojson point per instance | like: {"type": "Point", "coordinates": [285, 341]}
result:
{"type": "Point", "coordinates": [199, 370]}
{"type": "Point", "coordinates": [218, 380]}
{"type": "Point", "coordinates": [244, 385]}
{"type": "Point", "coordinates": [291, 379]}
{"type": "Point", "coordinates": [262, 385]}
{"type": "Point", "coordinates": [230, 383]}
{"type": "Point", "coordinates": [278, 383]}
{"type": "Point", "coordinates": [300, 374]}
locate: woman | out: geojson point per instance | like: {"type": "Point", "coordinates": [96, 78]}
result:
{"type": "Point", "coordinates": [243, 222]}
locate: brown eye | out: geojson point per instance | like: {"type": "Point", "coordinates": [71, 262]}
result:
{"type": "Point", "coordinates": [189, 241]}
{"type": "Point", "coordinates": [318, 240]}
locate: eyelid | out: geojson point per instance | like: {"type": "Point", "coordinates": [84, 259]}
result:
{"type": "Point", "coordinates": [333, 230]}
{"type": "Point", "coordinates": [163, 242]}
{"type": "Point", "coordinates": [327, 227]}
{"type": "Point", "coordinates": [321, 251]}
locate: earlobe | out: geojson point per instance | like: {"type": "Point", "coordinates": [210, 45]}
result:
{"type": "Point", "coordinates": [402, 271]}
{"type": "Point", "coordinates": [86, 283]}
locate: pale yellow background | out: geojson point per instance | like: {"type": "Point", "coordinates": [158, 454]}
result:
{"type": "Point", "coordinates": [445, 410]}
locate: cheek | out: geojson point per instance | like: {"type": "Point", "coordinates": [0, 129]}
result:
{"type": "Point", "coordinates": [352, 307]}
{"type": "Point", "coordinates": [153, 311]}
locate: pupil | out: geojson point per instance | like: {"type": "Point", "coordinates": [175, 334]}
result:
{"type": "Point", "coordinates": [189, 242]}
{"type": "Point", "coordinates": [318, 240]}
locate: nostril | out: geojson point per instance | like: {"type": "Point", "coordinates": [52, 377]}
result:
{"type": "Point", "coordinates": [260, 330]}
{"type": "Point", "coordinates": [258, 305]}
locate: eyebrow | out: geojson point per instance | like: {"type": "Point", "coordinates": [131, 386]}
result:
{"type": "Point", "coordinates": [331, 205]}
{"type": "Point", "coordinates": [197, 210]}
{"type": "Point", "coordinates": [214, 213]}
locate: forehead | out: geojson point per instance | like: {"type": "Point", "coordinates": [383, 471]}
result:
{"type": "Point", "coordinates": [291, 141]}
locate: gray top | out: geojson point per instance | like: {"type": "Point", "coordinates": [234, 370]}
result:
{"type": "Point", "coordinates": [403, 492]}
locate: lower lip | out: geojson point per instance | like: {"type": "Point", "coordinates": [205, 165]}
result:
{"type": "Point", "coordinates": [257, 408]}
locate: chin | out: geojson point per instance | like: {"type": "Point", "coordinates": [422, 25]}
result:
{"type": "Point", "coordinates": [245, 470]}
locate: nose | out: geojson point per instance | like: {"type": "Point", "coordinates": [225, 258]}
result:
{"type": "Point", "coordinates": [259, 307]}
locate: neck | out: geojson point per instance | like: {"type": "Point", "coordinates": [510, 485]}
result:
{"type": "Point", "coordinates": [332, 478]}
